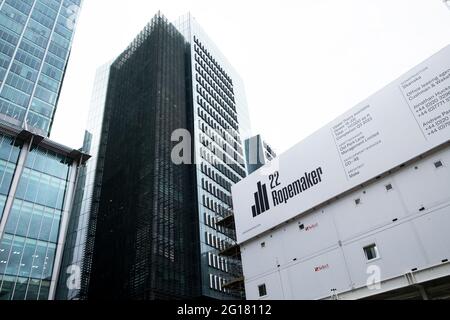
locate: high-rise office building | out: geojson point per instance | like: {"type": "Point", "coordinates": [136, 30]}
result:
{"type": "Point", "coordinates": [37, 176]}
{"type": "Point", "coordinates": [220, 125]}
{"type": "Point", "coordinates": [145, 227]}
{"type": "Point", "coordinates": [35, 42]}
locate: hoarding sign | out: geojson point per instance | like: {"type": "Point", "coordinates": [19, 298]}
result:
{"type": "Point", "coordinates": [407, 118]}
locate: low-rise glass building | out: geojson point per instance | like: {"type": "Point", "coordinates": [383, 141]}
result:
{"type": "Point", "coordinates": [37, 178]}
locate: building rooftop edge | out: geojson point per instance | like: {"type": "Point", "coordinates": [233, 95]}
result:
{"type": "Point", "coordinates": [23, 134]}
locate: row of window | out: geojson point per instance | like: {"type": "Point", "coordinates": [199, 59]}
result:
{"type": "Point", "coordinates": [13, 288]}
{"type": "Point", "coordinates": [215, 176]}
{"type": "Point", "coordinates": [209, 95]}
{"type": "Point", "coordinates": [232, 163]}
{"type": "Point", "coordinates": [228, 104]}
{"type": "Point", "coordinates": [219, 166]}
{"type": "Point", "coordinates": [217, 262]}
{"type": "Point", "coordinates": [211, 133]}
{"type": "Point", "coordinates": [201, 58]}
{"type": "Point", "coordinates": [20, 83]}
{"type": "Point", "coordinates": [223, 156]}
{"type": "Point", "coordinates": [15, 112]}
{"type": "Point", "coordinates": [30, 47]}
{"type": "Point", "coordinates": [215, 242]}
{"type": "Point", "coordinates": [223, 77]}
{"type": "Point", "coordinates": [18, 91]}
{"type": "Point", "coordinates": [211, 222]}
{"type": "Point", "coordinates": [15, 96]}
{"type": "Point", "coordinates": [217, 283]}
{"type": "Point", "coordinates": [223, 130]}
{"type": "Point", "coordinates": [33, 221]}
{"type": "Point", "coordinates": [41, 189]}
{"type": "Point", "coordinates": [214, 206]}
{"type": "Point", "coordinates": [202, 77]}
{"type": "Point", "coordinates": [42, 108]}
{"type": "Point", "coordinates": [4, 63]}
{"type": "Point", "coordinates": [24, 71]}
{"type": "Point", "coordinates": [216, 130]}
{"type": "Point", "coordinates": [22, 6]}
{"type": "Point", "coordinates": [216, 192]}
{"type": "Point", "coordinates": [219, 141]}
{"type": "Point", "coordinates": [6, 48]}
{"type": "Point", "coordinates": [203, 93]}
{"type": "Point", "coordinates": [9, 37]}
{"type": "Point", "coordinates": [32, 57]}
{"type": "Point", "coordinates": [49, 9]}
{"type": "Point", "coordinates": [28, 59]}
{"type": "Point", "coordinates": [7, 22]}
{"type": "Point", "coordinates": [26, 258]}
{"type": "Point", "coordinates": [206, 105]}
{"type": "Point", "coordinates": [40, 120]}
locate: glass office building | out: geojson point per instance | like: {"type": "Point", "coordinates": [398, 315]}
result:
{"type": "Point", "coordinates": [35, 41]}
{"type": "Point", "coordinates": [143, 227]}
{"type": "Point", "coordinates": [79, 244]}
{"type": "Point", "coordinates": [37, 178]}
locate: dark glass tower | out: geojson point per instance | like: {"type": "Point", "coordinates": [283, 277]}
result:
{"type": "Point", "coordinates": [146, 216]}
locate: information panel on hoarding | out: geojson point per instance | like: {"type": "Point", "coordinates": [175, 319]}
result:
{"type": "Point", "coordinates": [405, 119]}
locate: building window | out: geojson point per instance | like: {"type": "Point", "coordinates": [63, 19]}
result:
{"type": "Point", "coordinates": [357, 202]}
{"type": "Point", "coordinates": [371, 252]}
{"type": "Point", "coordinates": [262, 290]}
{"type": "Point", "coordinates": [263, 244]}
{"type": "Point", "coordinates": [438, 164]}
{"type": "Point", "coordinates": [389, 187]}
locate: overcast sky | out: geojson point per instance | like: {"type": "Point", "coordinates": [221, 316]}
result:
{"type": "Point", "coordinates": [304, 62]}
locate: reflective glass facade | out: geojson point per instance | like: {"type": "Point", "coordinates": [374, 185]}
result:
{"type": "Point", "coordinates": [35, 42]}
{"type": "Point", "coordinates": [9, 155]}
{"type": "Point", "coordinates": [79, 246]}
{"type": "Point", "coordinates": [144, 245]}
{"type": "Point", "coordinates": [35, 196]}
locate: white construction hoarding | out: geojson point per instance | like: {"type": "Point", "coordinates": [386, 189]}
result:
{"type": "Point", "coordinates": [405, 119]}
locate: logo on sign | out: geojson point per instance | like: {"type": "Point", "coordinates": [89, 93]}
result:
{"type": "Point", "coordinates": [282, 195]}
{"type": "Point", "coordinates": [261, 200]}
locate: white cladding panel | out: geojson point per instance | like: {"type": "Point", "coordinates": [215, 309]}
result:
{"type": "Point", "coordinates": [405, 119]}
{"type": "Point", "coordinates": [409, 225]}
